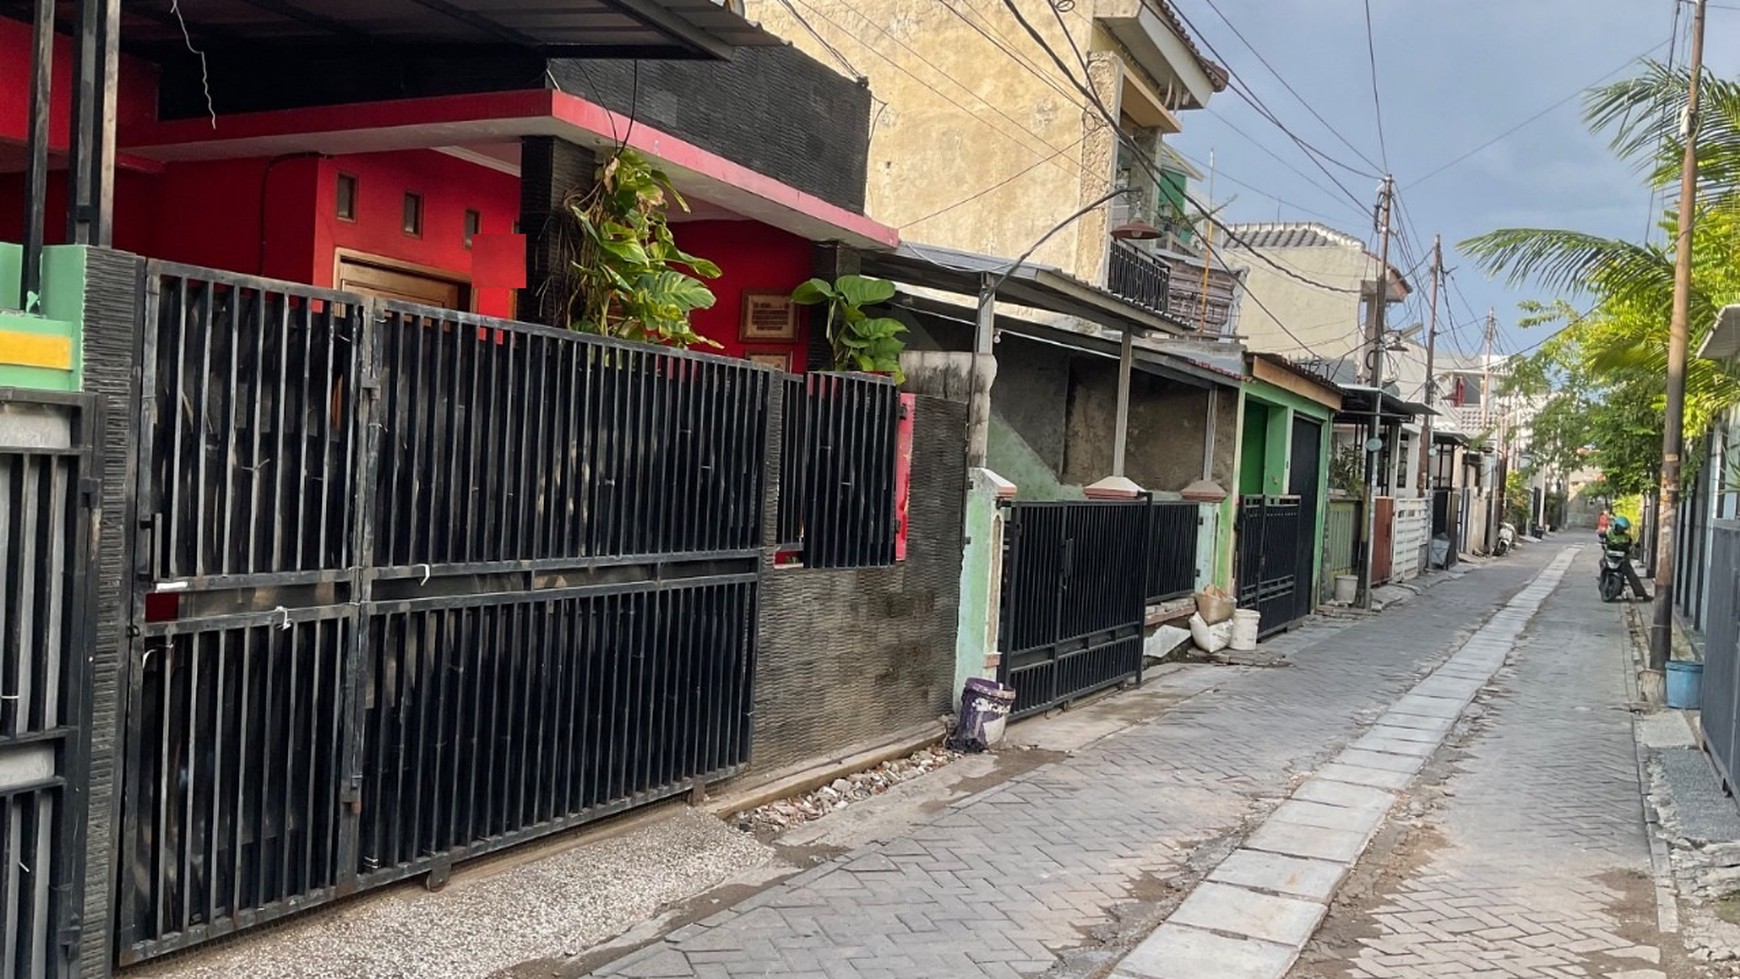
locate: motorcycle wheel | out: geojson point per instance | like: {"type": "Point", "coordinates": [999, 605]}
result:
{"type": "Point", "coordinates": [1612, 586]}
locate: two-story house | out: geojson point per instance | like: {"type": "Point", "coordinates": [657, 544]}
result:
{"type": "Point", "coordinates": [980, 141]}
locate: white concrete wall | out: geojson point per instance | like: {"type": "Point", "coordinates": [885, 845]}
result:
{"type": "Point", "coordinates": [1326, 322]}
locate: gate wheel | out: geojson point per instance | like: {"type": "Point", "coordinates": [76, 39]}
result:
{"type": "Point", "coordinates": [440, 872]}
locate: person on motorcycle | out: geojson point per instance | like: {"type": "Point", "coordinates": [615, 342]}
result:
{"type": "Point", "coordinates": [1619, 539]}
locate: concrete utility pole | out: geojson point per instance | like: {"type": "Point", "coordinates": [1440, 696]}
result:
{"type": "Point", "coordinates": [1431, 353]}
{"type": "Point", "coordinates": [1375, 363]}
{"type": "Point", "coordinates": [1494, 511]}
{"type": "Point", "coordinates": [1673, 429]}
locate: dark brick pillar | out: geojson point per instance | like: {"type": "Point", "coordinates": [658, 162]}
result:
{"type": "Point", "coordinates": [550, 169]}
{"type": "Point", "coordinates": [829, 260]}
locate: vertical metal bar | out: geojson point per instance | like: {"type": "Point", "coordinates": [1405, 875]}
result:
{"type": "Point", "coordinates": [330, 477]}
{"type": "Point", "coordinates": [214, 823]}
{"type": "Point", "coordinates": [200, 395]}
{"type": "Point", "coordinates": [36, 154]}
{"type": "Point", "coordinates": [81, 141]}
{"type": "Point", "coordinates": [243, 714]}
{"type": "Point", "coordinates": [458, 426]}
{"type": "Point", "coordinates": [226, 490]}
{"type": "Point", "coordinates": [304, 485]}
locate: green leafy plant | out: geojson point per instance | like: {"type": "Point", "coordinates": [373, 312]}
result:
{"type": "Point", "coordinates": [1347, 469]}
{"type": "Point", "coordinates": [858, 340]}
{"type": "Point", "coordinates": [630, 280]}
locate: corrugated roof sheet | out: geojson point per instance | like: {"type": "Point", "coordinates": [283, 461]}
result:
{"type": "Point", "coordinates": [1292, 234]}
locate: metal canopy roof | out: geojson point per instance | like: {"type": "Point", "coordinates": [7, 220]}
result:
{"type": "Point", "coordinates": [1723, 343]}
{"type": "Point", "coordinates": [1358, 401]}
{"type": "Point", "coordinates": [1043, 287]}
{"type": "Point", "coordinates": [1146, 360]}
{"type": "Point", "coordinates": [557, 28]}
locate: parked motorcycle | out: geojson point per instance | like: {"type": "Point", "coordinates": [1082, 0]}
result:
{"type": "Point", "coordinates": [1613, 580]}
{"type": "Point", "coordinates": [1506, 540]}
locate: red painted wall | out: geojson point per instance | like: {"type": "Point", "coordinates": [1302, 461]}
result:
{"type": "Point", "coordinates": [752, 257]}
{"type": "Point", "coordinates": [450, 186]}
{"type": "Point", "coordinates": [136, 87]}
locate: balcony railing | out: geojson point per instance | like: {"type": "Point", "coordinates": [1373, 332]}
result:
{"type": "Point", "coordinates": [1137, 278]}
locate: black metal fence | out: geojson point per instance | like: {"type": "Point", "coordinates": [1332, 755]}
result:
{"type": "Point", "coordinates": [1719, 721]}
{"type": "Point", "coordinates": [836, 501]}
{"type": "Point", "coordinates": [419, 584]}
{"type": "Point", "coordinates": [45, 585]}
{"type": "Point", "coordinates": [1172, 550]}
{"type": "Point", "coordinates": [1692, 538]}
{"type": "Point", "coordinates": [1269, 551]}
{"type": "Point", "coordinates": [1074, 598]}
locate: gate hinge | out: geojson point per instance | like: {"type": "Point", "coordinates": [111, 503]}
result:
{"type": "Point", "coordinates": [90, 488]}
{"type": "Point", "coordinates": [371, 381]}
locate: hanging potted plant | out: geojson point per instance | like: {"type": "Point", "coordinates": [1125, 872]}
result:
{"type": "Point", "coordinates": [629, 278]}
{"type": "Point", "coordinates": [857, 340]}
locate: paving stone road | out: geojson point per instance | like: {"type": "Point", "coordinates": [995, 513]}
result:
{"type": "Point", "coordinates": [1534, 863]}
{"type": "Point", "coordinates": [1019, 879]}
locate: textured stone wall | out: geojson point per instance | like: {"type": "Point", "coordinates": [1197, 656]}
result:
{"type": "Point", "coordinates": [854, 654]}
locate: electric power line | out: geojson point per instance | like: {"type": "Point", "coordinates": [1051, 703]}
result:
{"type": "Point", "coordinates": [1377, 104]}
{"type": "Point", "coordinates": [1288, 85]}
{"type": "Point", "coordinates": [1537, 116]}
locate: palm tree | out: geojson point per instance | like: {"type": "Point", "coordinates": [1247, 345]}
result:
{"type": "Point", "coordinates": [1622, 339]}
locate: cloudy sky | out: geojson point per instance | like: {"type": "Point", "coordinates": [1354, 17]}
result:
{"type": "Point", "coordinates": [1452, 75]}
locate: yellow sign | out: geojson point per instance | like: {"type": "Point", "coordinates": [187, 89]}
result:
{"type": "Point", "coordinates": [36, 350]}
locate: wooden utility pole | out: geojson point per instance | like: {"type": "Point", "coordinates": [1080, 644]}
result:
{"type": "Point", "coordinates": [1375, 364]}
{"type": "Point", "coordinates": [1673, 428]}
{"type": "Point", "coordinates": [1431, 353]}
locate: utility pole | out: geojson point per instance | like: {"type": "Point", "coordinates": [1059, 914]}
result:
{"type": "Point", "coordinates": [1431, 352]}
{"type": "Point", "coordinates": [1375, 362]}
{"type": "Point", "coordinates": [1495, 475]}
{"type": "Point", "coordinates": [1673, 429]}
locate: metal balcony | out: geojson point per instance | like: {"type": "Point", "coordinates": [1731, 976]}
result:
{"type": "Point", "coordinates": [1137, 278]}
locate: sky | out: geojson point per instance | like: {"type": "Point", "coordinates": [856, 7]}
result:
{"type": "Point", "coordinates": [1451, 76]}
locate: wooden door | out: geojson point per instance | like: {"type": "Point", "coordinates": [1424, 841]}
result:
{"type": "Point", "coordinates": [1383, 537]}
{"type": "Point", "coordinates": [400, 283]}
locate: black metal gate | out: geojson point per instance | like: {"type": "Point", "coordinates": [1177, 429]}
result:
{"type": "Point", "coordinates": [1074, 598]}
{"type": "Point", "coordinates": [47, 485]}
{"type": "Point", "coordinates": [1719, 723]}
{"type": "Point", "coordinates": [1270, 538]}
{"type": "Point", "coordinates": [1447, 521]}
{"type": "Point", "coordinates": [416, 585]}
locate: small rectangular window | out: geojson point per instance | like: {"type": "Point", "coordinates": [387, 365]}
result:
{"type": "Point", "coordinates": [414, 215]}
{"type": "Point", "coordinates": [473, 226]}
{"type": "Point", "coordinates": [346, 197]}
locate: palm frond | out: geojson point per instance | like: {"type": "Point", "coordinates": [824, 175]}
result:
{"type": "Point", "coordinates": [1573, 261]}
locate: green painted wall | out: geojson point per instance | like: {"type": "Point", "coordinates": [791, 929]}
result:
{"type": "Point", "coordinates": [1253, 449]}
{"type": "Point", "coordinates": [1272, 401]}
{"type": "Point", "coordinates": [981, 582]}
{"type": "Point", "coordinates": [57, 312]}
{"type": "Point", "coordinates": [1008, 455]}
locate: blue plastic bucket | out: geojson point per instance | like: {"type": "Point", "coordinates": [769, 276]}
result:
{"type": "Point", "coordinates": [1685, 681]}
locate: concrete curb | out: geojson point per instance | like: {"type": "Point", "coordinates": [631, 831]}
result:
{"type": "Point", "coordinates": [1254, 913]}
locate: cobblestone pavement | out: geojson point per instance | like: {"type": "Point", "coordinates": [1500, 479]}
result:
{"type": "Point", "coordinates": [1534, 863]}
{"type": "Point", "coordinates": [1018, 880]}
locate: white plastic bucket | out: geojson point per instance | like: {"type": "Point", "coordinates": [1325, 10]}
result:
{"type": "Point", "coordinates": [1244, 630]}
{"type": "Point", "coordinates": [1346, 588]}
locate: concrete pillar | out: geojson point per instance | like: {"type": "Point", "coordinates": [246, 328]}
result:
{"type": "Point", "coordinates": [980, 610]}
{"type": "Point", "coordinates": [551, 168]}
